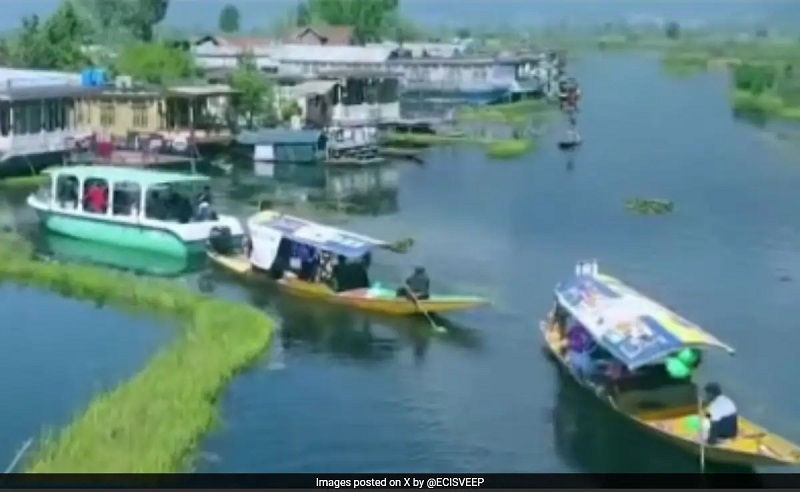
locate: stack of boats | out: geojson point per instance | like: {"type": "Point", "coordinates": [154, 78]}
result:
{"type": "Point", "coordinates": [633, 331]}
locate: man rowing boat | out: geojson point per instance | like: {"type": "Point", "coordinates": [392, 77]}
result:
{"type": "Point", "coordinates": [417, 286]}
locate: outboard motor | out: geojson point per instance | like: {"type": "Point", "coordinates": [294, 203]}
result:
{"type": "Point", "coordinates": [220, 240]}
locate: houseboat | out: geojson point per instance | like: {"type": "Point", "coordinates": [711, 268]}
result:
{"type": "Point", "coordinates": [272, 145]}
{"type": "Point", "coordinates": [177, 119]}
{"type": "Point", "coordinates": [143, 210]}
{"type": "Point", "coordinates": [37, 118]}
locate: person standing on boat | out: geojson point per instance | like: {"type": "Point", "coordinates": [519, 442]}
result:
{"type": "Point", "coordinates": [722, 420]}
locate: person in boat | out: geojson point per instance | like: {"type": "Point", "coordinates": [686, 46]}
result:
{"type": "Point", "coordinates": [722, 420]}
{"type": "Point", "coordinates": [417, 286]}
{"type": "Point", "coordinates": [97, 198]}
{"type": "Point", "coordinates": [204, 210]}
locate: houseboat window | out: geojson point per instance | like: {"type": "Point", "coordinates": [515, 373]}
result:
{"type": "Point", "coordinates": [67, 110]}
{"type": "Point", "coordinates": [21, 118]}
{"type": "Point", "coordinates": [95, 196]}
{"type": "Point", "coordinates": [140, 114]}
{"type": "Point", "coordinates": [36, 122]}
{"type": "Point", "coordinates": [5, 118]}
{"type": "Point", "coordinates": [51, 115]}
{"type": "Point", "coordinates": [107, 114]}
{"type": "Point", "coordinates": [126, 198]}
{"type": "Point", "coordinates": [67, 191]}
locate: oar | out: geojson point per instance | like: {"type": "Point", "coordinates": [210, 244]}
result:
{"type": "Point", "coordinates": [436, 328]}
{"type": "Point", "coordinates": [401, 245]}
{"type": "Point", "coordinates": [702, 437]}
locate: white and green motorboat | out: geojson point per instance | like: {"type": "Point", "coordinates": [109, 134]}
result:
{"type": "Point", "coordinates": [145, 210]}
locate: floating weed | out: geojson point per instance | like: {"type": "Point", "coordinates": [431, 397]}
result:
{"type": "Point", "coordinates": [508, 149]}
{"type": "Point", "coordinates": [151, 423]}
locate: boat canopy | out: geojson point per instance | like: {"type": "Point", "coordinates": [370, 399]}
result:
{"type": "Point", "coordinates": [322, 237]}
{"type": "Point", "coordinates": [635, 329]}
{"type": "Point", "coordinates": [116, 174]}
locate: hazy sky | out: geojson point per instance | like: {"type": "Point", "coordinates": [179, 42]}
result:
{"type": "Point", "coordinates": [255, 13]}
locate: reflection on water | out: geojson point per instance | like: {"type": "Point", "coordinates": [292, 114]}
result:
{"type": "Point", "coordinates": [62, 248]}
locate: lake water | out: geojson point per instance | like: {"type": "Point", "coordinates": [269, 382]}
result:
{"type": "Point", "coordinates": [348, 392]}
{"type": "Point", "coordinates": [354, 393]}
{"type": "Point", "coordinates": [57, 354]}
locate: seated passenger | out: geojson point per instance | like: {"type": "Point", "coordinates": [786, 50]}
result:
{"type": "Point", "coordinates": [417, 286]}
{"type": "Point", "coordinates": [722, 420]}
{"type": "Point", "coordinates": [581, 364]}
{"type": "Point", "coordinates": [360, 276]}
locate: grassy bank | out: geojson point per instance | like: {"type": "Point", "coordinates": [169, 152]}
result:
{"type": "Point", "coordinates": [496, 149]}
{"type": "Point", "coordinates": [766, 104]}
{"type": "Point", "coordinates": [22, 182]}
{"type": "Point", "coordinates": [152, 423]}
{"type": "Point", "coordinates": [510, 113]}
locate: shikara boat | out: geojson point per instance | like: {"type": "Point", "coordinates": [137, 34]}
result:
{"type": "Point", "coordinates": [640, 333]}
{"type": "Point", "coordinates": [137, 213]}
{"type": "Point", "coordinates": [272, 228]}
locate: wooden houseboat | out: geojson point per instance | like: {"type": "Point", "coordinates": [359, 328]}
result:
{"type": "Point", "coordinates": [177, 118]}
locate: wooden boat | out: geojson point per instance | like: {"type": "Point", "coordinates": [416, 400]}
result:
{"type": "Point", "coordinates": [376, 299]}
{"type": "Point", "coordinates": [126, 221]}
{"type": "Point", "coordinates": [637, 332]}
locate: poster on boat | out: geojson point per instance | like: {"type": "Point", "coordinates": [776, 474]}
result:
{"type": "Point", "coordinates": [265, 243]}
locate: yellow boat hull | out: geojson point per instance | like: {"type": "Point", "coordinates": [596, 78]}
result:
{"type": "Point", "coordinates": [754, 446]}
{"type": "Point", "coordinates": [359, 299]}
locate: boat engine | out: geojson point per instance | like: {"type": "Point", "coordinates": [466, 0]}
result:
{"type": "Point", "coordinates": [220, 240]}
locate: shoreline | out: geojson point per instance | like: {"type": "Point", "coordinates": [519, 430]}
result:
{"type": "Point", "coordinates": [153, 422]}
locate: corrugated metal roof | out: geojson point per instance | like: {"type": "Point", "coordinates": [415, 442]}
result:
{"type": "Point", "coordinates": [331, 54]}
{"type": "Point", "coordinates": [311, 88]}
{"type": "Point", "coordinates": [278, 136]}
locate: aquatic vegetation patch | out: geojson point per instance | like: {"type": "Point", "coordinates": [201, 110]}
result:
{"type": "Point", "coordinates": [426, 139]}
{"type": "Point", "coordinates": [767, 104]}
{"type": "Point", "coordinates": [152, 423]}
{"type": "Point", "coordinates": [649, 206]}
{"type": "Point", "coordinates": [518, 112]}
{"type": "Point", "coordinates": [508, 149]}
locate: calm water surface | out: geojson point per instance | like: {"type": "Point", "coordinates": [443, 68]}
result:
{"type": "Point", "coordinates": [347, 392]}
{"type": "Point", "coordinates": [57, 354]}
{"type": "Point", "coordinates": [344, 392]}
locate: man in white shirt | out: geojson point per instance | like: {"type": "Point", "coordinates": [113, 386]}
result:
{"type": "Point", "coordinates": [721, 415]}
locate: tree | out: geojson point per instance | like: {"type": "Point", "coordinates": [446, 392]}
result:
{"type": "Point", "coordinates": [672, 30]}
{"type": "Point", "coordinates": [144, 16]}
{"type": "Point", "coordinates": [155, 63]}
{"type": "Point", "coordinates": [55, 45]}
{"type": "Point", "coordinates": [463, 33]}
{"type": "Point", "coordinates": [256, 95]}
{"type": "Point", "coordinates": [302, 15]}
{"type": "Point", "coordinates": [229, 19]}
{"type": "Point", "coordinates": [368, 18]}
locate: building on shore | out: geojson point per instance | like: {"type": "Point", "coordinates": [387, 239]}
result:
{"type": "Point", "coordinates": [422, 75]}
{"type": "Point", "coordinates": [349, 105]}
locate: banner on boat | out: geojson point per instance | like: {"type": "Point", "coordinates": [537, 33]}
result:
{"type": "Point", "coordinates": [636, 330]}
{"type": "Point", "coordinates": [265, 243]}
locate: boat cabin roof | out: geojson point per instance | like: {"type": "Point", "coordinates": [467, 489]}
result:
{"type": "Point", "coordinates": [117, 174]}
{"type": "Point", "coordinates": [636, 330]}
{"type": "Point", "coordinates": [319, 236]}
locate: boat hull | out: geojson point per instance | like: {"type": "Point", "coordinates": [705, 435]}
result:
{"type": "Point", "coordinates": [754, 446]}
{"type": "Point", "coordinates": [118, 234]}
{"type": "Point", "coordinates": [358, 299]}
